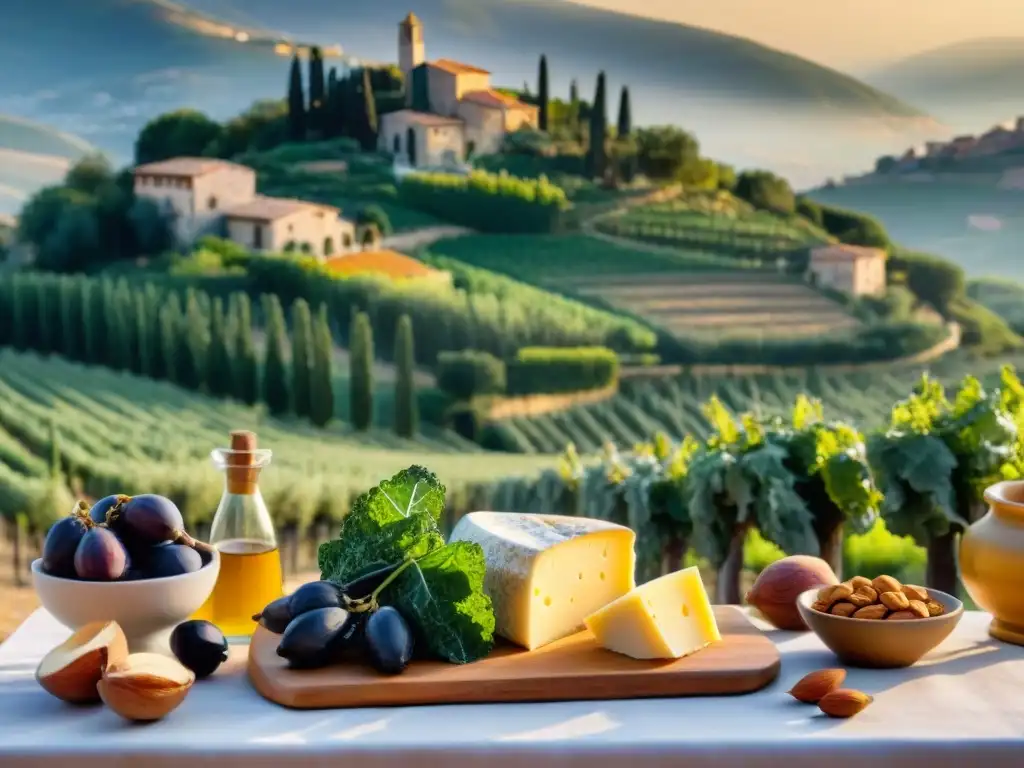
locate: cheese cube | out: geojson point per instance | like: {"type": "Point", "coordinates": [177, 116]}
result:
{"type": "Point", "coordinates": [667, 618]}
{"type": "Point", "coordinates": [546, 572]}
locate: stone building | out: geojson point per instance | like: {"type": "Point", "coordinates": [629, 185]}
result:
{"type": "Point", "coordinates": [452, 111]}
{"type": "Point", "coordinates": [216, 197]}
{"type": "Point", "coordinates": [851, 269]}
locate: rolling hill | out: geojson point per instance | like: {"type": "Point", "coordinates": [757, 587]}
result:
{"type": "Point", "coordinates": [101, 69]}
{"type": "Point", "coordinates": [969, 84]}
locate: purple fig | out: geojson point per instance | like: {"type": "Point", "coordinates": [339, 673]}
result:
{"type": "Point", "coordinates": [100, 556]}
{"type": "Point", "coordinates": [62, 541]}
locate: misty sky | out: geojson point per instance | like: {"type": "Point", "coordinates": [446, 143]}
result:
{"type": "Point", "coordinates": [848, 34]}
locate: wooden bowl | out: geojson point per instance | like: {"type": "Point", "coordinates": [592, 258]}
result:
{"type": "Point", "coordinates": [878, 643]}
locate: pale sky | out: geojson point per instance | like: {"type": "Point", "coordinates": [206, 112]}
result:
{"type": "Point", "coordinates": [852, 35]}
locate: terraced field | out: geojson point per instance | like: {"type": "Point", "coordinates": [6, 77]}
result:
{"type": "Point", "coordinates": [115, 433]}
{"type": "Point", "coordinates": [673, 404]}
{"type": "Point", "coordinates": [733, 303]}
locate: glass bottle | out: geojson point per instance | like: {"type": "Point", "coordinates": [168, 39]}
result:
{"type": "Point", "coordinates": [243, 532]}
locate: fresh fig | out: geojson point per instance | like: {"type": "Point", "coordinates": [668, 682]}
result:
{"type": "Point", "coordinates": [150, 519]}
{"type": "Point", "coordinates": [98, 513]}
{"type": "Point", "coordinates": [61, 543]}
{"type": "Point", "coordinates": [169, 559]}
{"type": "Point", "coordinates": [100, 556]}
{"type": "Point", "coordinates": [200, 646]}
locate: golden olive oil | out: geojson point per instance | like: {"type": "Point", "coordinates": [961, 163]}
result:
{"type": "Point", "coordinates": [250, 577]}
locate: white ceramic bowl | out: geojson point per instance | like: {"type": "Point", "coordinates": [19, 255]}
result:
{"type": "Point", "coordinates": [147, 609]}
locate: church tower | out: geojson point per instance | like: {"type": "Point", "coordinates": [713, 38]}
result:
{"type": "Point", "coordinates": [410, 50]}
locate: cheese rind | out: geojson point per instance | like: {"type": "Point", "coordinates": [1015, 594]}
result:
{"type": "Point", "coordinates": [667, 618]}
{"type": "Point", "coordinates": [545, 573]}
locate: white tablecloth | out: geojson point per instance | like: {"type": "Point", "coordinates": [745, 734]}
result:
{"type": "Point", "coordinates": [961, 706]}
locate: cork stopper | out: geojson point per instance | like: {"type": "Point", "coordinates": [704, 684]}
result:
{"type": "Point", "coordinates": [242, 475]}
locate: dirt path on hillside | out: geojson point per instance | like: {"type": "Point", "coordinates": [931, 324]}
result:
{"type": "Point", "coordinates": [420, 238]}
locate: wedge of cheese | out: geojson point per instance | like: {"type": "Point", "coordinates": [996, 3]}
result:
{"type": "Point", "coordinates": [667, 618]}
{"type": "Point", "coordinates": [546, 572]}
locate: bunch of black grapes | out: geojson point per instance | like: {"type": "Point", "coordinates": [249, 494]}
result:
{"type": "Point", "coordinates": [123, 538]}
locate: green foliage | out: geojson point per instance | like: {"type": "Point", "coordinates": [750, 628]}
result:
{"type": "Point", "coordinates": [297, 119]}
{"type": "Point", "coordinates": [597, 156]}
{"type": "Point", "coordinates": [438, 587]}
{"type": "Point", "coordinates": [624, 123]}
{"type": "Point", "coordinates": [485, 201]}
{"type": "Point", "coordinates": [182, 133]}
{"type": "Point", "coordinates": [545, 370]}
{"type": "Point", "coordinates": [543, 96]}
{"type": "Point", "coordinates": [1003, 297]}
{"type": "Point", "coordinates": [218, 371]}
{"type": "Point", "coordinates": [322, 379]}
{"type": "Point", "coordinates": [853, 227]}
{"type": "Point", "coordinates": [361, 371]}
{"type": "Point", "coordinates": [665, 152]}
{"type": "Point", "coordinates": [938, 455]}
{"type": "Point", "coordinates": [366, 131]}
{"type": "Point", "coordinates": [981, 329]}
{"type": "Point", "coordinates": [931, 278]}
{"type": "Point", "coordinates": [245, 371]}
{"type": "Point", "coordinates": [275, 376]}
{"type": "Point", "coordinates": [378, 217]}
{"type": "Point", "coordinates": [302, 354]}
{"type": "Point", "coordinates": [317, 112]}
{"type": "Point", "coordinates": [469, 373]}
{"type": "Point", "coordinates": [766, 191]}
{"type": "Point", "coordinates": [406, 404]}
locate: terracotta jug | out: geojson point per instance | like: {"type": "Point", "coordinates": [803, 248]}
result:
{"type": "Point", "coordinates": [992, 561]}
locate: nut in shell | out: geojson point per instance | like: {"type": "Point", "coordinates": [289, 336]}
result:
{"type": "Point", "coordinates": [864, 595]}
{"type": "Point", "coordinates": [876, 611]}
{"type": "Point", "coordinates": [843, 609]}
{"type": "Point", "coordinates": [844, 702]}
{"type": "Point", "coordinates": [919, 609]}
{"type": "Point", "coordinates": [894, 601]}
{"type": "Point", "coordinates": [902, 616]}
{"type": "Point", "coordinates": [857, 582]}
{"type": "Point", "coordinates": [833, 594]}
{"type": "Point", "coordinates": [914, 592]}
{"type": "Point", "coordinates": [145, 686]}
{"type": "Point", "coordinates": [72, 670]}
{"type": "Point", "coordinates": [886, 584]}
{"type": "Point", "coordinates": [935, 608]}
{"type": "Point", "coordinates": [813, 687]}
{"type": "Point", "coordinates": [820, 605]}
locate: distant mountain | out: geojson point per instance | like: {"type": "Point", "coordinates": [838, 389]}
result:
{"type": "Point", "coordinates": [101, 68]}
{"type": "Point", "coordinates": [971, 83]}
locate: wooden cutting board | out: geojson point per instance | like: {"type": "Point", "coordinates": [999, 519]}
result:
{"type": "Point", "coordinates": [574, 668]}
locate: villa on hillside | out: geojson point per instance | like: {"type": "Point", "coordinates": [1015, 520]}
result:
{"type": "Point", "coordinates": [216, 197]}
{"type": "Point", "coordinates": [451, 109]}
{"type": "Point", "coordinates": [851, 269]}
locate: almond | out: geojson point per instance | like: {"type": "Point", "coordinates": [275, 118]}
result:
{"type": "Point", "coordinates": [935, 608]}
{"type": "Point", "coordinates": [894, 601]}
{"type": "Point", "coordinates": [833, 594]}
{"type": "Point", "coordinates": [902, 616]}
{"type": "Point", "coordinates": [886, 584]}
{"type": "Point", "coordinates": [919, 609]}
{"type": "Point", "coordinates": [915, 593]}
{"type": "Point", "coordinates": [811, 688]}
{"type": "Point", "coordinates": [857, 582]}
{"type": "Point", "coordinates": [820, 605]}
{"type": "Point", "coordinates": [843, 609]}
{"type": "Point", "coordinates": [844, 702]}
{"type": "Point", "coordinates": [871, 612]}
{"type": "Point", "coordinates": [145, 686]}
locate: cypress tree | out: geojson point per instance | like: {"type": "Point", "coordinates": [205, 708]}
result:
{"type": "Point", "coordinates": [246, 365]}
{"type": "Point", "coordinates": [46, 304]}
{"type": "Point", "coordinates": [218, 369]}
{"type": "Point", "coordinates": [171, 323]}
{"type": "Point", "coordinates": [543, 97]}
{"type": "Point", "coordinates": [322, 374]}
{"type": "Point", "coordinates": [302, 339]}
{"type": "Point", "coordinates": [625, 121]}
{"type": "Point", "coordinates": [193, 343]}
{"type": "Point", "coordinates": [598, 130]}
{"type": "Point", "coordinates": [574, 109]}
{"type": "Point", "coordinates": [129, 329]}
{"type": "Point", "coordinates": [116, 353]}
{"type": "Point", "coordinates": [317, 94]}
{"type": "Point", "coordinates": [21, 319]}
{"type": "Point", "coordinates": [360, 385]}
{"type": "Point", "coordinates": [296, 103]}
{"type": "Point", "coordinates": [368, 132]}
{"type": "Point", "coordinates": [275, 377]}
{"type": "Point", "coordinates": [406, 410]}
{"type": "Point", "coordinates": [144, 352]}
{"type": "Point", "coordinates": [154, 359]}
{"type": "Point", "coordinates": [330, 123]}
{"type": "Point", "coordinates": [71, 320]}
{"type": "Point", "coordinates": [6, 311]}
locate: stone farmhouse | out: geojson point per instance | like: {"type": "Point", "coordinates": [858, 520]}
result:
{"type": "Point", "coordinates": [459, 113]}
{"type": "Point", "coordinates": [852, 269]}
{"type": "Point", "coordinates": [216, 197]}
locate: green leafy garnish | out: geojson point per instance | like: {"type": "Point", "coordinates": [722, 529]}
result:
{"type": "Point", "coordinates": [439, 588]}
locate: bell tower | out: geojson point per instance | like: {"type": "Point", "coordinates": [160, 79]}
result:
{"type": "Point", "coordinates": [410, 50]}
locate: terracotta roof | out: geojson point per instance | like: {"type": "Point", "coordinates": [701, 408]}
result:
{"type": "Point", "coordinates": [843, 252]}
{"type": "Point", "coordinates": [497, 99]}
{"type": "Point", "coordinates": [457, 67]}
{"type": "Point", "coordinates": [421, 118]}
{"type": "Point", "coordinates": [187, 166]}
{"type": "Point", "coordinates": [273, 208]}
{"type": "Point", "coordinates": [385, 262]}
